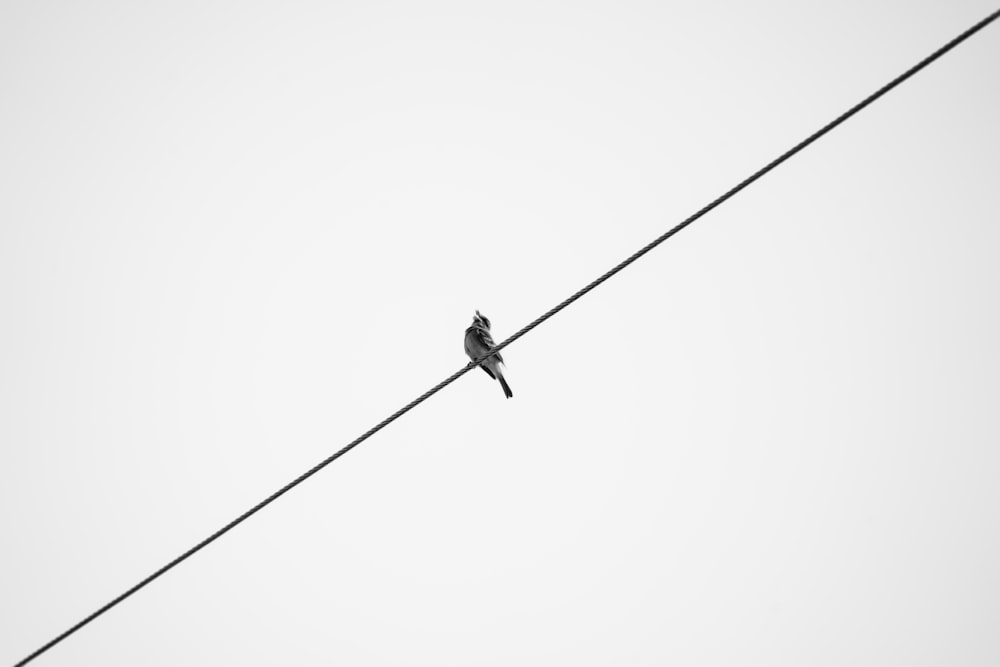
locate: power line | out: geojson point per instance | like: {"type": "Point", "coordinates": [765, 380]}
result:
{"type": "Point", "coordinates": [457, 374]}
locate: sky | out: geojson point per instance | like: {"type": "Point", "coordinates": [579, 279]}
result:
{"type": "Point", "coordinates": [236, 235]}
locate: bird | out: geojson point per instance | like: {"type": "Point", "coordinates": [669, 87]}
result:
{"type": "Point", "coordinates": [478, 342]}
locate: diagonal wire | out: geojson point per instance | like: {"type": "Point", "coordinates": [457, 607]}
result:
{"type": "Point", "coordinates": [760, 173]}
{"type": "Point", "coordinates": [457, 374]}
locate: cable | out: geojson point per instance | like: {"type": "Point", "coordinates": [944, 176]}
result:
{"type": "Point", "coordinates": [457, 374]}
{"type": "Point", "coordinates": [764, 170]}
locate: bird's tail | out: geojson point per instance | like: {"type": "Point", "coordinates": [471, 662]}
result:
{"type": "Point", "coordinates": [506, 387]}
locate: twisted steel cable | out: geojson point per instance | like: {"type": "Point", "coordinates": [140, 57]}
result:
{"type": "Point", "coordinates": [457, 374]}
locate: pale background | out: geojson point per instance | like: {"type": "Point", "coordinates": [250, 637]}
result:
{"type": "Point", "coordinates": [233, 236]}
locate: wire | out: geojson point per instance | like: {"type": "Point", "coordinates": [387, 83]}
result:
{"type": "Point", "coordinates": [457, 374]}
{"type": "Point", "coordinates": [761, 172]}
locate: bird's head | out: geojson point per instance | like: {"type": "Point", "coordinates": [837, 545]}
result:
{"type": "Point", "coordinates": [481, 320]}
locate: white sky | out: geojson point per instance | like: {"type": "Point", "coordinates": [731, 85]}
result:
{"type": "Point", "coordinates": [233, 236]}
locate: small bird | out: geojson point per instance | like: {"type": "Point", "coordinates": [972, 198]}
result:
{"type": "Point", "coordinates": [478, 342]}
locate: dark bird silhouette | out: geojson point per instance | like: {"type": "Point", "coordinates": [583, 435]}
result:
{"type": "Point", "coordinates": [478, 342]}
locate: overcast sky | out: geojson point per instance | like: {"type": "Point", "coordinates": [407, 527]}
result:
{"type": "Point", "coordinates": [235, 235]}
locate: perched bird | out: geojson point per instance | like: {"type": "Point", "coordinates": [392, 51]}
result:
{"type": "Point", "coordinates": [478, 342]}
